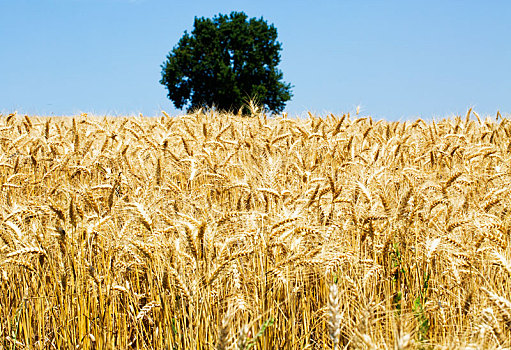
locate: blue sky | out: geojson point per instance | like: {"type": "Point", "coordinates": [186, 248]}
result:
{"type": "Point", "coordinates": [396, 59]}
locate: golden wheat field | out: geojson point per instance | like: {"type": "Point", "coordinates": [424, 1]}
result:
{"type": "Point", "coordinates": [213, 231]}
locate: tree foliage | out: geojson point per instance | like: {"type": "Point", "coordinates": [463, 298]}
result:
{"type": "Point", "coordinates": [225, 62]}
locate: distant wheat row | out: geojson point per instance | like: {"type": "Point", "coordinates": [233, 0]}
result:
{"type": "Point", "coordinates": [212, 231]}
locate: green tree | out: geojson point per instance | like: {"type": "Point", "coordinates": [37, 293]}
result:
{"type": "Point", "coordinates": [226, 62]}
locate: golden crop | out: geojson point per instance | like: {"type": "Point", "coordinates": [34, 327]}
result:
{"type": "Point", "coordinates": [213, 231]}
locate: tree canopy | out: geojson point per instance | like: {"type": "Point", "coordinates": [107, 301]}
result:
{"type": "Point", "coordinates": [226, 62]}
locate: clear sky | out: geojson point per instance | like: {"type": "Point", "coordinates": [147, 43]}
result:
{"type": "Point", "coordinates": [396, 59]}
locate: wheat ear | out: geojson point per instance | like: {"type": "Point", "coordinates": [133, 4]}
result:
{"type": "Point", "coordinates": [334, 316]}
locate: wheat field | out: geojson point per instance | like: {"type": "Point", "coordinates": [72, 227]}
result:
{"type": "Point", "coordinates": [214, 231]}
